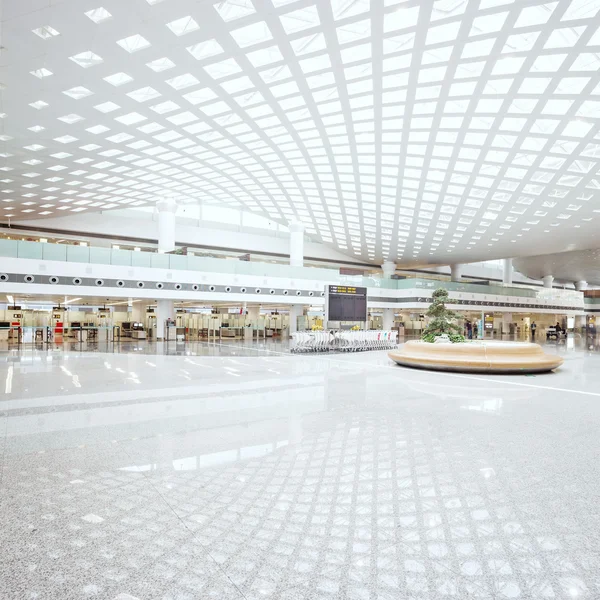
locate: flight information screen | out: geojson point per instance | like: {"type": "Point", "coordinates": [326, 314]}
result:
{"type": "Point", "coordinates": [347, 303]}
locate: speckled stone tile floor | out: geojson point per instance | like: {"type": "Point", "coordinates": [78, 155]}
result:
{"type": "Point", "coordinates": [293, 477]}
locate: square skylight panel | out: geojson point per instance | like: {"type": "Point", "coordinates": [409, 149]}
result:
{"type": "Point", "coordinates": [252, 34]}
{"type": "Point", "coordinates": [182, 81]}
{"type": "Point", "coordinates": [70, 119]}
{"type": "Point", "coordinates": [133, 43]}
{"type": "Point", "coordinates": [130, 118]}
{"type": "Point", "coordinates": [223, 68]}
{"type": "Point", "coordinates": [199, 96]}
{"type": "Point", "coordinates": [234, 9]}
{"type": "Point", "coordinates": [118, 79]}
{"type": "Point", "coordinates": [182, 26]}
{"type": "Point", "coordinates": [165, 107]}
{"type": "Point", "coordinates": [41, 73]}
{"type": "Point", "coordinates": [205, 49]}
{"type": "Point", "coordinates": [400, 18]}
{"type": "Point", "coordinates": [107, 107]}
{"type": "Point", "coordinates": [161, 64]}
{"type": "Point", "coordinates": [301, 19]}
{"type": "Point", "coordinates": [86, 59]}
{"type": "Point", "coordinates": [144, 94]}
{"type": "Point", "coordinates": [78, 92]}
{"type": "Point", "coordinates": [98, 15]}
{"type": "Point", "coordinates": [46, 32]}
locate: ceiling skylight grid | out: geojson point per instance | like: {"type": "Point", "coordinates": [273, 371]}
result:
{"type": "Point", "coordinates": [397, 129]}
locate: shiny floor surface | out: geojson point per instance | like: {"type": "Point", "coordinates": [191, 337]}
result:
{"type": "Point", "coordinates": [296, 477]}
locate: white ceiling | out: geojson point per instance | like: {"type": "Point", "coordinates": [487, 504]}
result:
{"type": "Point", "coordinates": [566, 267]}
{"type": "Point", "coordinates": [408, 130]}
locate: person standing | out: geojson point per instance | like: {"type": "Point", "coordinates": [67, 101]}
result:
{"type": "Point", "coordinates": [469, 330]}
{"type": "Point", "coordinates": [533, 328]}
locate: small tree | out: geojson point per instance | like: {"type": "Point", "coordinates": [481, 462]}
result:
{"type": "Point", "coordinates": [442, 320]}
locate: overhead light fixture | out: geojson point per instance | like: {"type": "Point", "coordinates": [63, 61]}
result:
{"type": "Point", "coordinates": [71, 300]}
{"type": "Point", "coordinates": [11, 300]}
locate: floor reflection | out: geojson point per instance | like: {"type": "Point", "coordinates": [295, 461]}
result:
{"type": "Point", "coordinates": [282, 476]}
{"type": "Point", "coordinates": [575, 342]}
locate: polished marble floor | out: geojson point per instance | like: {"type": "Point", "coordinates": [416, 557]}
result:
{"type": "Point", "coordinates": [247, 472]}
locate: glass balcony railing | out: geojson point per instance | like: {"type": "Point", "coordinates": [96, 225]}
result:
{"type": "Point", "coordinates": [130, 258]}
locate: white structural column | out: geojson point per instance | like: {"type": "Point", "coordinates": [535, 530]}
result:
{"type": "Point", "coordinates": [507, 272]}
{"type": "Point", "coordinates": [581, 286]}
{"type": "Point", "coordinates": [548, 281]}
{"type": "Point", "coordinates": [165, 309]}
{"type": "Point", "coordinates": [296, 244]}
{"type": "Point", "coordinates": [456, 272]}
{"type": "Point", "coordinates": [254, 313]}
{"type": "Point", "coordinates": [138, 311]}
{"type": "Point", "coordinates": [296, 310]}
{"type": "Point", "coordinates": [388, 319]}
{"type": "Point", "coordinates": [388, 268]}
{"type": "Point", "coordinates": [166, 225]}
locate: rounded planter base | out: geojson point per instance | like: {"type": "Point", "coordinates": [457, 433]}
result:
{"type": "Point", "coordinates": [476, 357]}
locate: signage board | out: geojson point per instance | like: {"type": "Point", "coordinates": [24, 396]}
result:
{"type": "Point", "coordinates": [346, 303]}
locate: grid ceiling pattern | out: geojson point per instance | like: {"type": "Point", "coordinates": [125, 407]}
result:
{"type": "Point", "coordinates": [407, 130]}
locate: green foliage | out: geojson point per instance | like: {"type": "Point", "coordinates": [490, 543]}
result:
{"type": "Point", "coordinates": [456, 338]}
{"type": "Point", "coordinates": [442, 320]}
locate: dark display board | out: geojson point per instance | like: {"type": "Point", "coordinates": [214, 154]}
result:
{"type": "Point", "coordinates": [347, 303]}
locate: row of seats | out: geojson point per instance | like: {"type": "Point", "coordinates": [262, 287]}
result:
{"type": "Point", "coordinates": [343, 341]}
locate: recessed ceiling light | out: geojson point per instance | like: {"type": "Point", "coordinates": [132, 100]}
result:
{"type": "Point", "coordinates": [39, 104]}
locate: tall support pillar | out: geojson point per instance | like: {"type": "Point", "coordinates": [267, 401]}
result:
{"type": "Point", "coordinates": [166, 225]}
{"type": "Point", "coordinates": [388, 268]}
{"type": "Point", "coordinates": [254, 313]}
{"type": "Point", "coordinates": [165, 309]}
{"type": "Point", "coordinates": [388, 319]}
{"type": "Point", "coordinates": [581, 286]}
{"type": "Point", "coordinates": [138, 310]}
{"type": "Point", "coordinates": [296, 244]}
{"type": "Point", "coordinates": [507, 273]}
{"type": "Point", "coordinates": [548, 281]}
{"type": "Point", "coordinates": [456, 272]}
{"type": "Point", "coordinates": [296, 310]}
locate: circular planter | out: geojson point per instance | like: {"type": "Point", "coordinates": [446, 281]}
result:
{"type": "Point", "coordinates": [476, 357]}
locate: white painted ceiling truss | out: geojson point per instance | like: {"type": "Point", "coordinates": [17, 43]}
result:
{"type": "Point", "coordinates": [408, 130]}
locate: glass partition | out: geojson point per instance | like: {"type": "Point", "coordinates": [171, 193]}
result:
{"type": "Point", "coordinates": [9, 248]}
{"type": "Point", "coordinates": [54, 252]}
